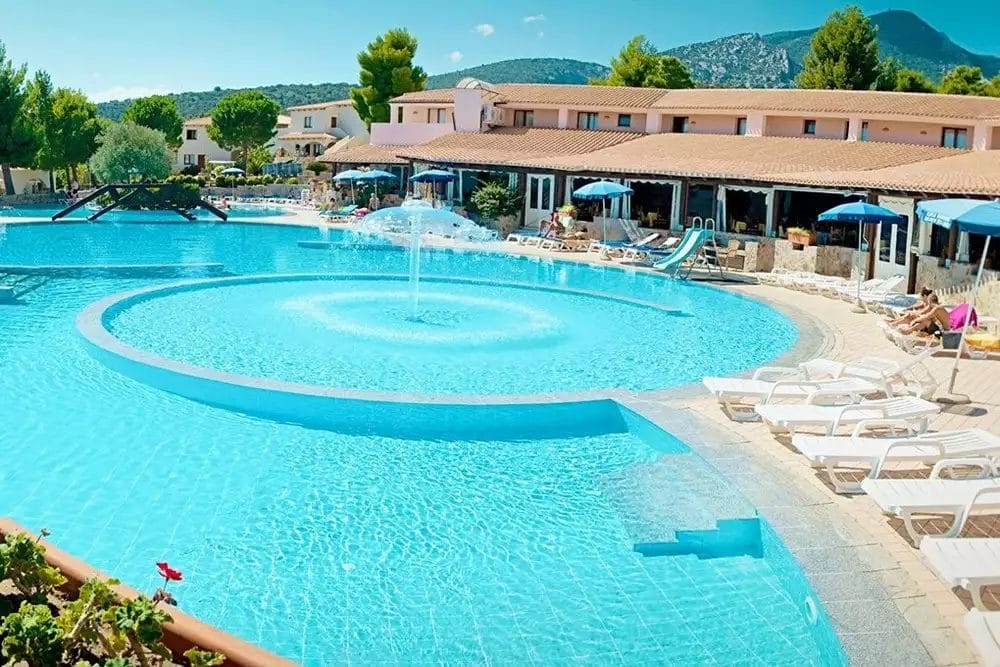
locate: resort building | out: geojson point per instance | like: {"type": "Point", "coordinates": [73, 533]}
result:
{"type": "Point", "coordinates": [756, 161]}
{"type": "Point", "coordinates": [197, 148]}
{"type": "Point", "coordinates": [316, 128]}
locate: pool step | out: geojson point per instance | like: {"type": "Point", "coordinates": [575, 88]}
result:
{"type": "Point", "coordinates": [729, 539]}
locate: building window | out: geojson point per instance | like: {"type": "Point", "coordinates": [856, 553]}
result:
{"type": "Point", "coordinates": [586, 120]}
{"type": "Point", "coordinates": [188, 158]}
{"type": "Point", "coordinates": [809, 127]}
{"type": "Point", "coordinates": [864, 130]}
{"type": "Point", "coordinates": [191, 135]}
{"type": "Point", "coordinates": [307, 122]}
{"type": "Point", "coordinates": [524, 118]}
{"type": "Point", "coordinates": [741, 125]}
{"type": "Point", "coordinates": [399, 114]}
{"type": "Point", "coordinates": [680, 124]}
{"type": "Point", "coordinates": [439, 116]}
{"type": "Point", "coordinates": [624, 120]}
{"type": "Point", "coordinates": [333, 121]}
{"type": "Point", "coordinates": [953, 137]}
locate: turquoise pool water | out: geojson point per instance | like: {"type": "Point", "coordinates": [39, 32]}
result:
{"type": "Point", "coordinates": [329, 547]}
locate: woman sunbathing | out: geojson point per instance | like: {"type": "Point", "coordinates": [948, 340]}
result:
{"type": "Point", "coordinates": [936, 320]}
{"type": "Point", "coordinates": [919, 309]}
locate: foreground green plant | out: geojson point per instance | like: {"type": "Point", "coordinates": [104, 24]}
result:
{"type": "Point", "coordinates": [22, 561]}
{"type": "Point", "coordinates": [32, 635]}
{"type": "Point", "coordinates": [199, 658]}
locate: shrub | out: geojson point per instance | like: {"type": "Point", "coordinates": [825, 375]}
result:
{"type": "Point", "coordinates": [494, 200]}
{"type": "Point", "coordinates": [291, 181]}
{"type": "Point", "coordinates": [32, 635]}
{"type": "Point", "coordinates": [317, 168]}
{"type": "Point", "coordinates": [191, 170]}
{"type": "Point", "coordinates": [22, 560]}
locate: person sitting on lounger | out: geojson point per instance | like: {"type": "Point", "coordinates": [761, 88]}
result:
{"type": "Point", "coordinates": [935, 321]}
{"type": "Point", "coordinates": [919, 309]}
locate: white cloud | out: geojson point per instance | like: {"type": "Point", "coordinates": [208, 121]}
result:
{"type": "Point", "coordinates": [534, 17]}
{"type": "Point", "coordinates": [485, 29]}
{"type": "Point", "coordinates": [455, 56]}
{"type": "Point", "coordinates": [126, 92]}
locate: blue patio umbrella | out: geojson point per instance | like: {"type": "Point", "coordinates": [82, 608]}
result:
{"type": "Point", "coordinates": [434, 176]}
{"type": "Point", "coordinates": [602, 190]}
{"type": "Point", "coordinates": [233, 171]}
{"type": "Point", "coordinates": [349, 175]}
{"type": "Point", "coordinates": [862, 213]}
{"type": "Point", "coordinates": [374, 176]}
{"type": "Point", "coordinates": [974, 216]}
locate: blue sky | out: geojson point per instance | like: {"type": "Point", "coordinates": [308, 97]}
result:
{"type": "Point", "coordinates": [123, 48]}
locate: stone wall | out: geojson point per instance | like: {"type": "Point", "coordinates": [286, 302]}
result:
{"type": "Point", "coordinates": [824, 260]}
{"type": "Point", "coordinates": [953, 284]}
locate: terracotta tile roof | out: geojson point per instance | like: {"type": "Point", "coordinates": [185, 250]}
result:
{"type": "Point", "coordinates": [515, 146]}
{"type": "Point", "coordinates": [830, 101]}
{"type": "Point", "coordinates": [750, 158]}
{"type": "Point", "coordinates": [967, 173]}
{"type": "Point", "coordinates": [307, 136]}
{"type": "Point", "coordinates": [320, 105]}
{"type": "Point", "coordinates": [588, 96]}
{"type": "Point", "coordinates": [199, 122]}
{"type": "Point", "coordinates": [541, 93]}
{"type": "Point", "coordinates": [363, 154]}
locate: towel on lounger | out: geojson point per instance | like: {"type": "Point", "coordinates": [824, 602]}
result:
{"type": "Point", "coordinates": [957, 317]}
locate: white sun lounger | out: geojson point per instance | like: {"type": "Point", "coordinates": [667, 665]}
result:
{"type": "Point", "coordinates": [835, 451]}
{"type": "Point", "coordinates": [734, 392]}
{"type": "Point", "coordinates": [984, 631]}
{"type": "Point", "coordinates": [914, 411]}
{"type": "Point", "coordinates": [958, 497]}
{"type": "Point", "coordinates": [967, 562]}
{"type": "Point", "coordinates": [909, 376]}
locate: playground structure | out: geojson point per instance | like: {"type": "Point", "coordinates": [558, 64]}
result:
{"type": "Point", "coordinates": [161, 195]}
{"type": "Point", "coordinates": [696, 249]}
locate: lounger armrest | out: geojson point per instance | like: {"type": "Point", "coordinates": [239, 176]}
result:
{"type": "Point", "coordinates": [854, 408]}
{"type": "Point", "coordinates": [887, 454]}
{"type": "Point", "coordinates": [817, 395]}
{"type": "Point", "coordinates": [773, 373]}
{"type": "Point", "coordinates": [985, 463]}
{"type": "Point", "coordinates": [867, 425]}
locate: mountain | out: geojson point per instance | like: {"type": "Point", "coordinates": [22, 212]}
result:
{"type": "Point", "coordinates": [521, 70]}
{"type": "Point", "coordinates": [774, 59]}
{"type": "Point", "coordinates": [525, 70]}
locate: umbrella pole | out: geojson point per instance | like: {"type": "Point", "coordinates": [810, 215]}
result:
{"type": "Point", "coordinates": [858, 306]}
{"type": "Point", "coordinates": [951, 396]}
{"type": "Point", "coordinates": [604, 220]}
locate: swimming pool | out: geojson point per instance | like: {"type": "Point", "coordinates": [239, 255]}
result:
{"type": "Point", "coordinates": [334, 546]}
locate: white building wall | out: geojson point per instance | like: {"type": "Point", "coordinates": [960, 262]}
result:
{"type": "Point", "coordinates": [202, 144]}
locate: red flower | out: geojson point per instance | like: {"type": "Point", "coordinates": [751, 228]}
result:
{"type": "Point", "coordinates": [168, 573]}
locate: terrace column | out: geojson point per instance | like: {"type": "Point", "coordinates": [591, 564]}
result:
{"type": "Point", "coordinates": [563, 122]}
{"type": "Point", "coordinates": [963, 247]}
{"type": "Point", "coordinates": [756, 124]}
{"type": "Point", "coordinates": [854, 128]}
{"type": "Point", "coordinates": [981, 134]}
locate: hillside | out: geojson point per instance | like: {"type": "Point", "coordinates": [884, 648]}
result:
{"type": "Point", "coordinates": [523, 70]}
{"type": "Point", "coordinates": [774, 59]}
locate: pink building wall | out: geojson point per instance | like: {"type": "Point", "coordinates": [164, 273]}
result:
{"type": "Point", "coordinates": [417, 113]}
{"type": "Point", "coordinates": [542, 117]}
{"type": "Point", "coordinates": [407, 134]}
{"type": "Point", "coordinates": [902, 132]}
{"type": "Point", "coordinates": [792, 126]}
{"type": "Point", "coordinates": [712, 124]}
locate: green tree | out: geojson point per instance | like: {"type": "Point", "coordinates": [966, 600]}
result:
{"type": "Point", "coordinates": [317, 168]}
{"type": "Point", "coordinates": [69, 132]}
{"type": "Point", "coordinates": [243, 120]}
{"type": "Point", "coordinates": [843, 53]}
{"type": "Point", "coordinates": [17, 136]}
{"type": "Point", "coordinates": [993, 87]}
{"type": "Point", "coordinates": [639, 64]}
{"type": "Point", "coordinates": [963, 80]}
{"type": "Point", "coordinates": [888, 74]}
{"type": "Point", "coordinates": [256, 159]}
{"type": "Point", "coordinates": [157, 112]}
{"type": "Point", "coordinates": [387, 70]}
{"type": "Point", "coordinates": [912, 81]}
{"type": "Point", "coordinates": [127, 149]}
{"type": "Point", "coordinates": [38, 112]}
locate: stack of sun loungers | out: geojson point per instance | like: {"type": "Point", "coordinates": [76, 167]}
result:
{"type": "Point", "coordinates": [868, 418]}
